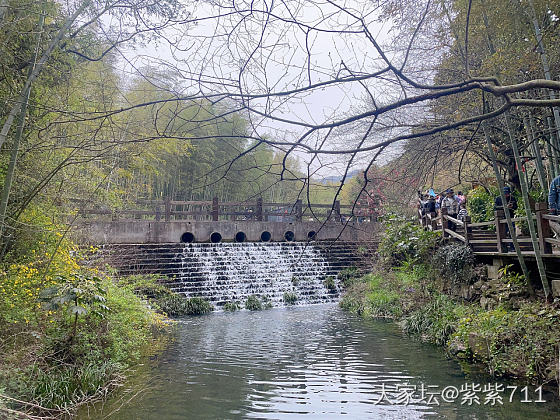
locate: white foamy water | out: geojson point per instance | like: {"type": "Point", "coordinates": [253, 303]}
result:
{"type": "Point", "coordinates": [228, 272]}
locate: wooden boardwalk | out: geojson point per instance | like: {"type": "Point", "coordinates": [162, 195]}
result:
{"type": "Point", "coordinates": [491, 239]}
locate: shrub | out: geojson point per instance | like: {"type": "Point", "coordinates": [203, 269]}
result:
{"type": "Point", "coordinates": [253, 303]}
{"type": "Point", "coordinates": [348, 276]}
{"type": "Point", "coordinates": [267, 304]}
{"type": "Point", "coordinates": [231, 306]}
{"type": "Point", "coordinates": [404, 239]}
{"type": "Point", "coordinates": [378, 295]}
{"type": "Point", "coordinates": [355, 299]}
{"type": "Point", "coordinates": [146, 285]}
{"type": "Point", "coordinates": [290, 298]}
{"type": "Point", "coordinates": [91, 346]}
{"type": "Point", "coordinates": [454, 262]}
{"type": "Point", "coordinates": [87, 330]}
{"type": "Point", "coordinates": [523, 343]}
{"type": "Point", "coordinates": [330, 284]}
{"type": "Point", "coordinates": [435, 321]}
{"type": "Point", "coordinates": [199, 306]}
{"type": "Point", "coordinates": [176, 305]}
{"type": "Point", "coordinates": [480, 204]}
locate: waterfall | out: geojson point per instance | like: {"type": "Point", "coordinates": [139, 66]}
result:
{"type": "Point", "coordinates": [230, 272]}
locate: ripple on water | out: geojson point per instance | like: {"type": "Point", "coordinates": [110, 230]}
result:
{"type": "Point", "coordinates": [314, 361]}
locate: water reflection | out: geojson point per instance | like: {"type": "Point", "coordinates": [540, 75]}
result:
{"type": "Point", "coordinates": [314, 361]}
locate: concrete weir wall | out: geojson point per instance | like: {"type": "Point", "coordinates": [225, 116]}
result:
{"type": "Point", "coordinates": [153, 232]}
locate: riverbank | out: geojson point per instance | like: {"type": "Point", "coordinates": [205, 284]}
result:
{"type": "Point", "coordinates": [517, 337]}
{"type": "Point", "coordinates": [68, 331]}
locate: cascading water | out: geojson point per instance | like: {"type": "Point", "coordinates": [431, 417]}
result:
{"type": "Point", "coordinates": [230, 272]}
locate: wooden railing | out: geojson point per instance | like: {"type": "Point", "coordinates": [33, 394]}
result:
{"type": "Point", "coordinates": [167, 210]}
{"type": "Point", "coordinates": [493, 234]}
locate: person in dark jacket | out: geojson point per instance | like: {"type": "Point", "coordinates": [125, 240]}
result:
{"type": "Point", "coordinates": [554, 196]}
{"type": "Point", "coordinates": [511, 202]}
{"type": "Point", "coordinates": [430, 205]}
{"type": "Point", "coordinates": [554, 204]}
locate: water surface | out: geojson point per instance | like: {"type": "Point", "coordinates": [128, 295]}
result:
{"type": "Point", "coordinates": [315, 362]}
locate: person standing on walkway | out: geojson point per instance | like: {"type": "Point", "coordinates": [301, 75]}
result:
{"type": "Point", "coordinates": [554, 203]}
{"type": "Point", "coordinates": [452, 206]}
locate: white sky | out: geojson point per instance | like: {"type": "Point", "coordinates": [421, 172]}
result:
{"type": "Point", "coordinates": [279, 64]}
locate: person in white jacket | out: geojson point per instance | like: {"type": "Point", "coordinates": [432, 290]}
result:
{"type": "Point", "coordinates": [452, 206]}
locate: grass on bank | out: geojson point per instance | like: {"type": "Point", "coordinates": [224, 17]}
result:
{"type": "Point", "coordinates": [67, 330]}
{"type": "Point", "coordinates": [502, 325]}
{"type": "Point", "coordinates": [517, 342]}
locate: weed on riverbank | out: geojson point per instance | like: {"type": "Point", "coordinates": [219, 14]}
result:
{"type": "Point", "coordinates": [520, 342]}
{"type": "Point", "coordinates": [441, 297]}
{"type": "Point", "coordinates": [67, 331]}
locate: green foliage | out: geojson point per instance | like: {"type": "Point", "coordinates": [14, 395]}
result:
{"type": "Point", "coordinates": [522, 343]}
{"type": "Point", "coordinates": [515, 282]}
{"type": "Point", "coordinates": [330, 284]}
{"type": "Point", "coordinates": [348, 275]}
{"type": "Point", "coordinates": [404, 239]}
{"type": "Point", "coordinates": [78, 327]}
{"type": "Point", "coordinates": [267, 304]}
{"type": "Point", "coordinates": [436, 320]}
{"type": "Point", "coordinates": [253, 303]}
{"type": "Point", "coordinates": [387, 295]}
{"type": "Point", "coordinates": [64, 386]}
{"type": "Point", "coordinates": [146, 285]}
{"type": "Point", "coordinates": [511, 342]}
{"type": "Point", "coordinates": [231, 306]}
{"type": "Point", "coordinates": [290, 298]}
{"type": "Point", "coordinates": [535, 195]}
{"type": "Point", "coordinates": [454, 262]}
{"type": "Point", "coordinates": [355, 299]}
{"type": "Point", "coordinates": [177, 305]}
{"type": "Point", "coordinates": [480, 204]}
{"type": "Point", "coordinates": [295, 281]}
{"type": "Point", "coordinates": [72, 366]}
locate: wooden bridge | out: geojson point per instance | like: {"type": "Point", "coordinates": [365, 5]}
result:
{"type": "Point", "coordinates": [490, 238]}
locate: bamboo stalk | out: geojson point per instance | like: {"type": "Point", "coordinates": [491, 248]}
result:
{"type": "Point", "coordinates": [541, 174]}
{"type": "Point", "coordinates": [529, 214]}
{"type": "Point", "coordinates": [509, 222]}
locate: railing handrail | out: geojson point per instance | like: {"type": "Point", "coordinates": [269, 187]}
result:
{"type": "Point", "coordinates": [544, 237]}
{"type": "Point", "coordinates": [251, 210]}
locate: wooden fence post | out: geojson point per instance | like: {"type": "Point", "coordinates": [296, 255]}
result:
{"type": "Point", "coordinates": [167, 209]}
{"type": "Point", "coordinates": [468, 229]}
{"type": "Point", "coordinates": [259, 209]}
{"type": "Point", "coordinates": [298, 211]}
{"type": "Point", "coordinates": [215, 209]}
{"type": "Point", "coordinates": [543, 228]}
{"type": "Point", "coordinates": [433, 221]}
{"type": "Point", "coordinates": [444, 223]}
{"type": "Point", "coordinates": [500, 230]}
{"type": "Point", "coordinates": [337, 210]}
{"type": "Point", "coordinates": [158, 212]}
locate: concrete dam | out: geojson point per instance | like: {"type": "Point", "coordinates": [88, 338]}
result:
{"type": "Point", "coordinates": [226, 259]}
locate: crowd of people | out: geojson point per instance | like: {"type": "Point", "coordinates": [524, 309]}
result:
{"type": "Point", "coordinates": [455, 204]}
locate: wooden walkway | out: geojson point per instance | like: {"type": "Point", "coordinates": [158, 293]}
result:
{"type": "Point", "coordinates": [491, 238]}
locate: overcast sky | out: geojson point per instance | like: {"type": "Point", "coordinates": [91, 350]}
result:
{"type": "Point", "coordinates": [277, 55]}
